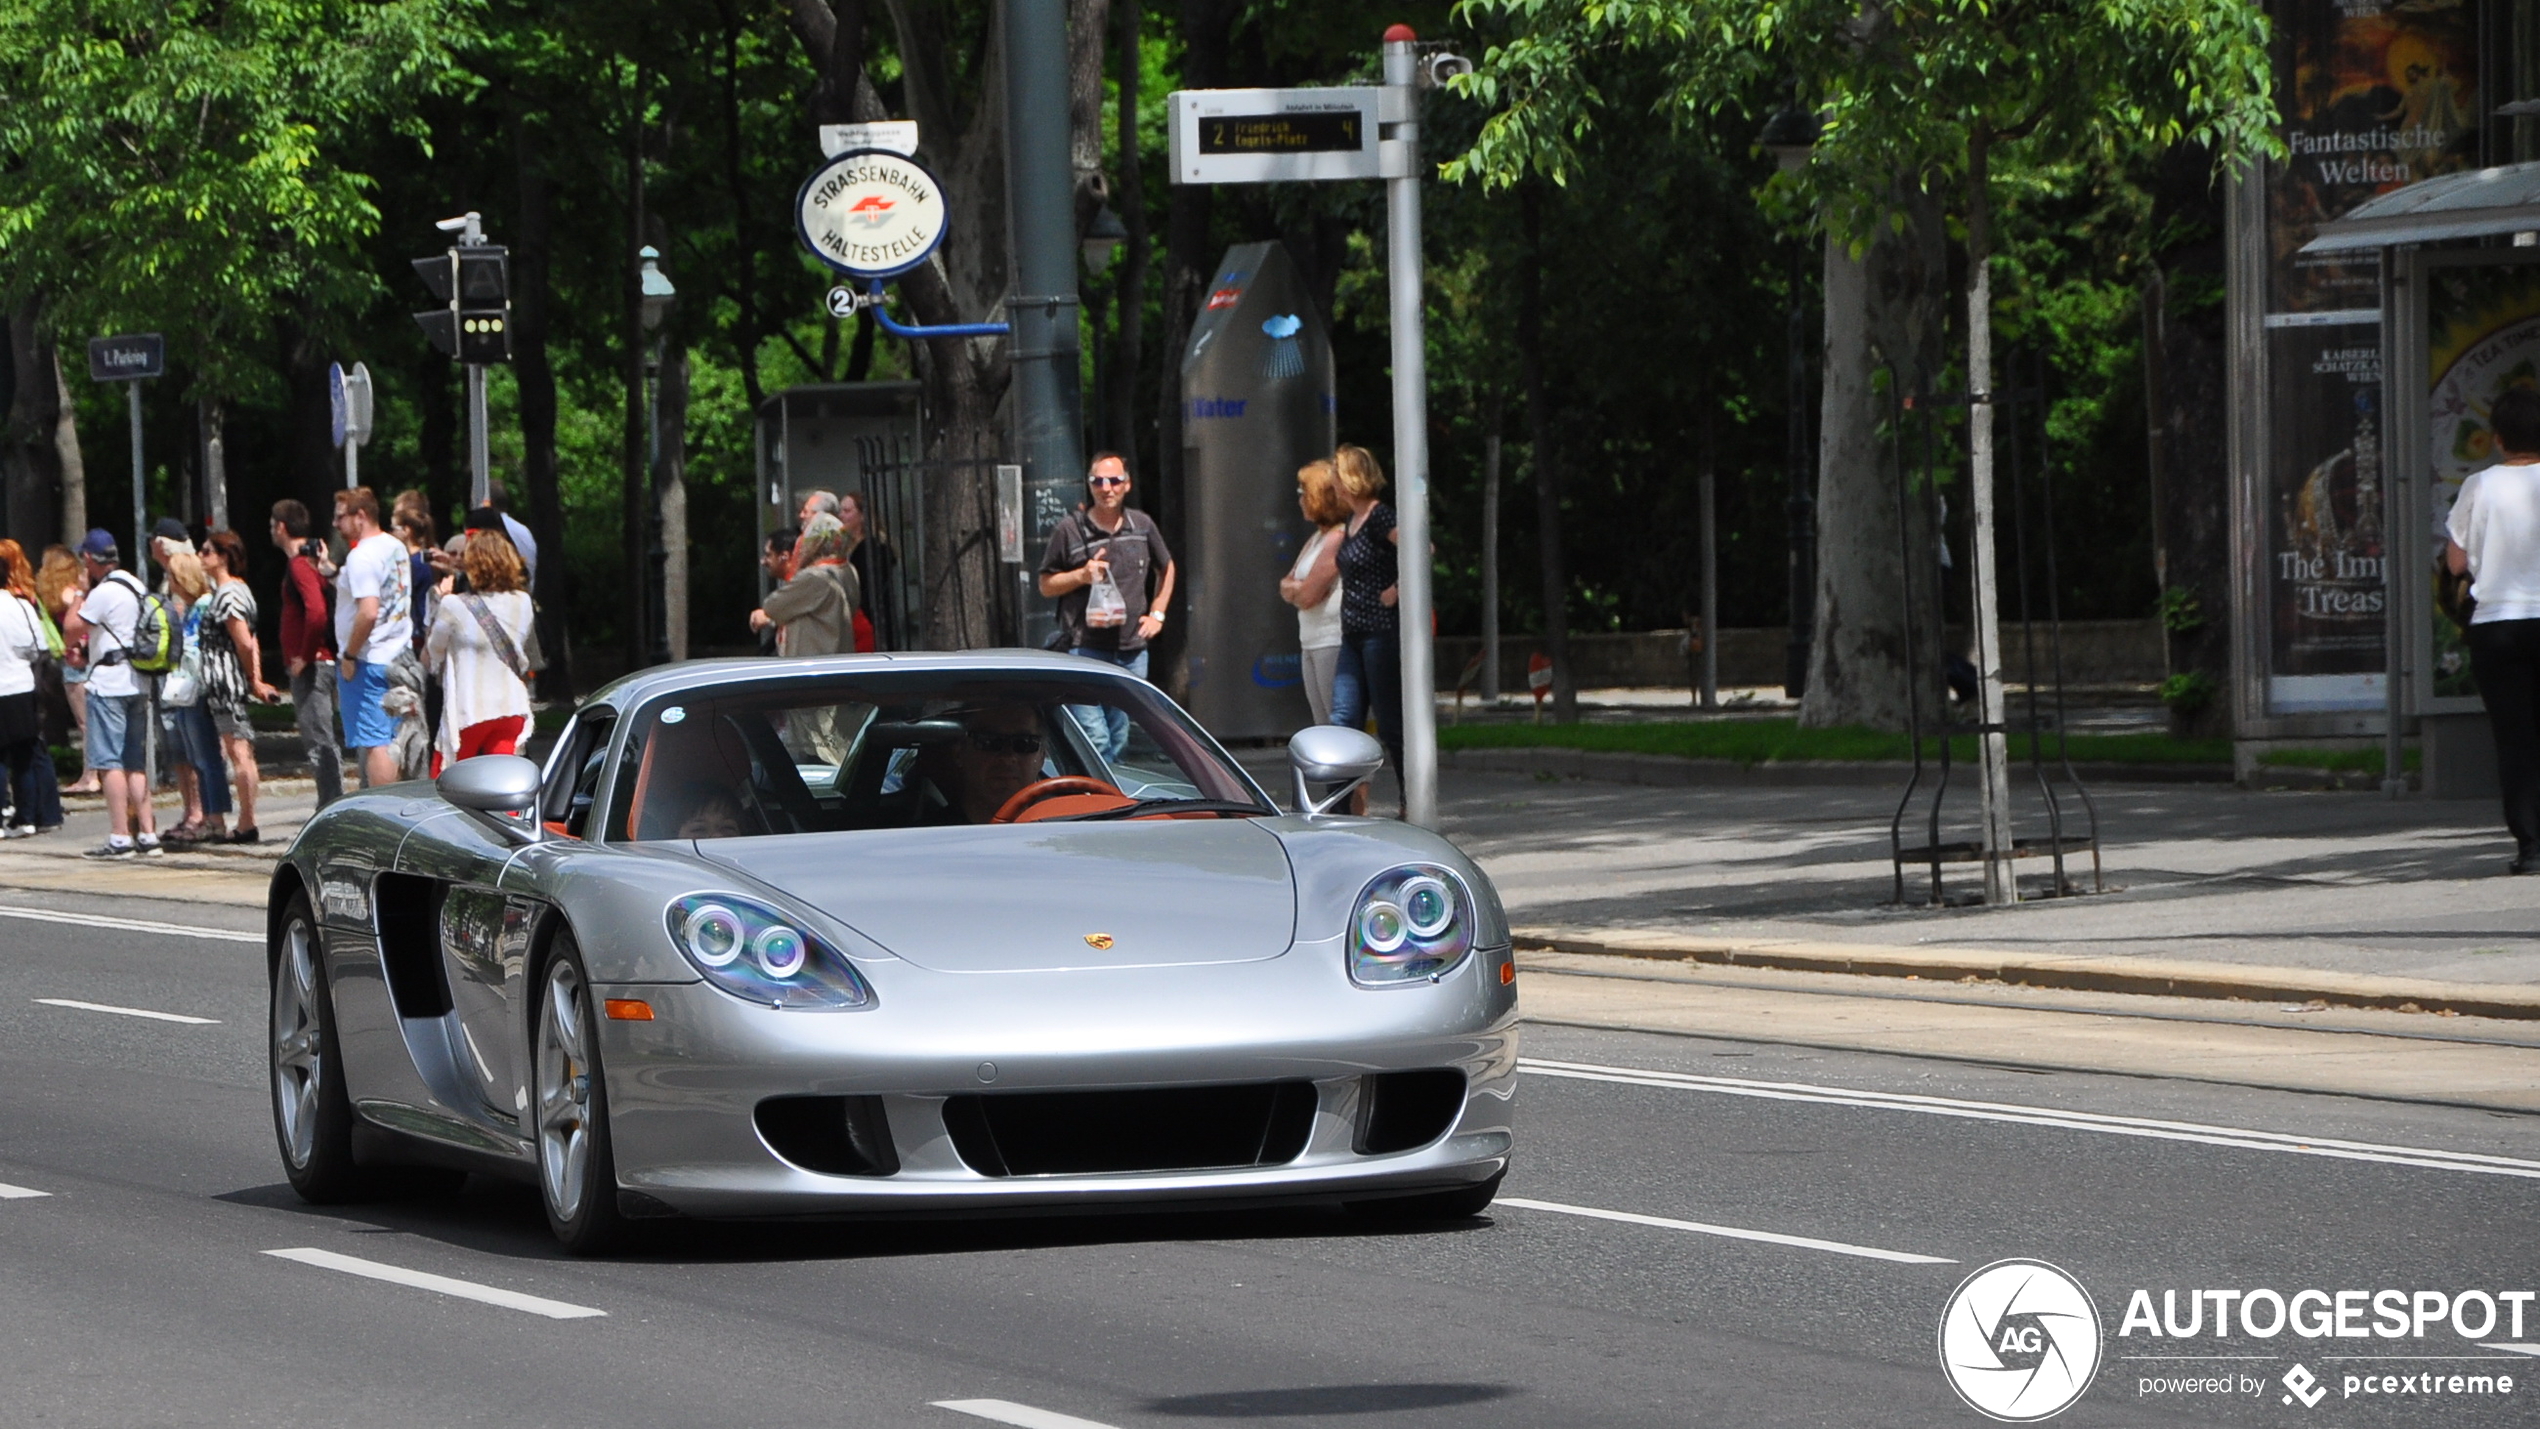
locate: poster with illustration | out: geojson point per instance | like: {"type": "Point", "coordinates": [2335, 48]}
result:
{"type": "Point", "coordinates": [2326, 573]}
{"type": "Point", "coordinates": [2482, 339]}
{"type": "Point", "coordinates": [2375, 94]}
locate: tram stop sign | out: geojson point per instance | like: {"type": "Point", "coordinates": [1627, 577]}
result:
{"type": "Point", "coordinates": [870, 213]}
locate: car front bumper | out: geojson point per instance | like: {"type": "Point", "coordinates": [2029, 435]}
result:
{"type": "Point", "coordinates": [683, 1087]}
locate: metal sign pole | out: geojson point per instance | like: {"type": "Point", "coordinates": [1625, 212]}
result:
{"type": "Point", "coordinates": [141, 569]}
{"type": "Point", "coordinates": [479, 471]}
{"type": "Point", "coordinates": [1401, 150]}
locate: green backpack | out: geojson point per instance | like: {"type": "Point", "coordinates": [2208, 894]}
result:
{"type": "Point", "coordinates": [158, 641]}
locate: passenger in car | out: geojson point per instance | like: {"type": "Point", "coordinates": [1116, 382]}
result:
{"type": "Point", "coordinates": [716, 814]}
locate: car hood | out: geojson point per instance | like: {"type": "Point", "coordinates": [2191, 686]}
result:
{"type": "Point", "coordinates": [1042, 897]}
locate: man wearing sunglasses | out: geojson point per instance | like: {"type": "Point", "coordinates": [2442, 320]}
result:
{"type": "Point", "coordinates": [1002, 748]}
{"type": "Point", "coordinates": [1110, 542]}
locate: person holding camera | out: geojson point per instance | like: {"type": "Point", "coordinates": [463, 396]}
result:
{"type": "Point", "coordinates": [308, 646]}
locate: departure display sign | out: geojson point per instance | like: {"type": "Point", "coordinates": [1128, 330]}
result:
{"type": "Point", "coordinates": [1282, 134]}
{"type": "Point", "coordinates": [1264, 136]}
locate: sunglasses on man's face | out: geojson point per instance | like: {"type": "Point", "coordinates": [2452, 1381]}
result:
{"type": "Point", "coordinates": [1109, 481]}
{"type": "Point", "coordinates": [990, 742]}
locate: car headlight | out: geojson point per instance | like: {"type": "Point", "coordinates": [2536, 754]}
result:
{"type": "Point", "coordinates": [756, 953]}
{"type": "Point", "coordinates": [1411, 923]}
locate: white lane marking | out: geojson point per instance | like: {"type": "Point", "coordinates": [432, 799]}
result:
{"type": "Point", "coordinates": [1024, 1416]}
{"type": "Point", "coordinates": [1668, 1223]}
{"type": "Point", "coordinates": [129, 925]}
{"type": "Point", "coordinates": [465, 1290]}
{"type": "Point", "coordinates": [19, 1193]}
{"type": "Point", "coordinates": [2418, 1156]}
{"type": "Point", "coordinates": [79, 1006]}
{"type": "Point", "coordinates": [2520, 1347]}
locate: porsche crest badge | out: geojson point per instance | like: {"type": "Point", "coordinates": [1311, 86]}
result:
{"type": "Point", "coordinates": [1100, 942]}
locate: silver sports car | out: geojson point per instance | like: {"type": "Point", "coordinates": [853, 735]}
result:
{"type": "Point", "coordinates": [889, 934]}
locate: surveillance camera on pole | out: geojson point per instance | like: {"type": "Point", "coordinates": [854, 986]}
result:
{"type": "Point", "coordinates": [472, 279]}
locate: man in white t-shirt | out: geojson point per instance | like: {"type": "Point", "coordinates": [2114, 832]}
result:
{"type": "Point", "coordinates": [374, 624]}
{"type": "Point", "coordinates": [2495, 537]}
{"type": "Point", "coordinates": [105, 626]}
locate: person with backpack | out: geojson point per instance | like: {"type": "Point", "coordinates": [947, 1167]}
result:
{"type": "Point", "coordinates": [108, 627]}
{"type": "Point", "coordinates": [308, 646]}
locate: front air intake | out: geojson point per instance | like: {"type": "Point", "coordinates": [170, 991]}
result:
{"type": "Point", "coordinates": [1161, 1129]}
{"type": "Point", "coordinates": [836, 1136]}
{"type": "Point", "coordinates": [1404, 1110]}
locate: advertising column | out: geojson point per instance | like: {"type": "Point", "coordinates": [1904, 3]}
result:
{"type": "Point", "coordinates": [2375, 95]}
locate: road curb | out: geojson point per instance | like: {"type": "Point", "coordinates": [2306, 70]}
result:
{"type": "Point", "coordinates": [1671, 771]}
{"type": "Point", "coordinates": [2162, 977]}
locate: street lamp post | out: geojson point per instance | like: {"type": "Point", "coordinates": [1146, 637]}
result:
{"type": "Point", "coordinates": [1789, 135]}
{"type": "Point", "coordinates": [658, 298]}
{"type": "Point", "coordinates": [1103, 238]}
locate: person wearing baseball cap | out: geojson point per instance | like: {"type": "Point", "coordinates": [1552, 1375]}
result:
{"type": "Point", "coordinates": [106, 624]}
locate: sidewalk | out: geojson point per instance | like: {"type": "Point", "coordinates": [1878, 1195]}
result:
{"type": "Point", "coordinates": [229, 874]}
{"type": "Point", "coordinates": [2349, 899]}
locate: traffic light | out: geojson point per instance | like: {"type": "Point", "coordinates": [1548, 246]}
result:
{"type": "Point", "coordinates": [474, 282]}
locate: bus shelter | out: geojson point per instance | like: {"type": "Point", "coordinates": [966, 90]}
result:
{"type": "Point", "coordinates": [2460, 269]}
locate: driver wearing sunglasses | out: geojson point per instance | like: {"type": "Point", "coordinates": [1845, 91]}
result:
{"type": "Point", "coordinates": [1000, 751]}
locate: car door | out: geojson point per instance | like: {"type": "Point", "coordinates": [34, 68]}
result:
{"type": "Point", "coordinates": [479, 942]}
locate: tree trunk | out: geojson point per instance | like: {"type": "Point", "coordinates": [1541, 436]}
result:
{"type": "Point", "coordinates": [2000, 885]}
{"type": "Point", "coordinates": [635, 483]}
{"type": "Point", "coordinates": [1884, 307]}
{"type": "Point", "coordinates": [670, 426]}
{"type": "Point", "coordinates": [534, 376]}
{"type": "Point", "coordinates": [747, 326]}
{"type": "Point", "coordinates": [30, 464]}
{"type": "Point", "coordinates": [1546, 463]}
{"type": "Point", "coordinates": [2186, 370]}
{"type": "Point", "coordinates": [1088, 28]}
{"type": "Point", "coordinates": [1130, 291]}
{"type": "Point", "coordinates": [66, 450]}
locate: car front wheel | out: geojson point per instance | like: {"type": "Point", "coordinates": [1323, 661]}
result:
{"type": "Point", "coordinates": [577, 1175]}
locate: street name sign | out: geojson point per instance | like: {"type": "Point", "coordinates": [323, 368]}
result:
{"type": "Point", "coordinates": [870, 213]}
{"type": "Point", "coordinates": [891, 136]}
{"type": "Point", "coordinates": [1265, 136]}
{"type": "Point", "coordinates": [127, 359]}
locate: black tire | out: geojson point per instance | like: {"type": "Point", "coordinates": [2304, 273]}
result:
{"type": "Point", "coordinates": [312, 1113]}
{"type": "Point", "coordinates": [1463, 1203]}
{"type": "Point", "coordinates": [577, 1170]}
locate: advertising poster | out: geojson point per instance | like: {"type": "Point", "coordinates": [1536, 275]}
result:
{"type": "Point", "coordinates": [2375, 95]}
{"type": "Point", "coordinates": [2483, 339]}
{"type": "Point", "coordinates": [2325, 574]}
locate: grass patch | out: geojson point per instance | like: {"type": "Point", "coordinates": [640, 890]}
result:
{"type": "Point", "coordinates": [1764, 741]}
{"type": "Point", "coordinates": [2365, 761]}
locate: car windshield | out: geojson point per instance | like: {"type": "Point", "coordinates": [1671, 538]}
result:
{"type": "Point", "coordinates": [894, 749]}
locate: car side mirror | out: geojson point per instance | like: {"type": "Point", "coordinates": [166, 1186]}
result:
{"type": "Point", "coordinates": [1331, 754]}
{"type": "Point", "coordinates": [503, 784]}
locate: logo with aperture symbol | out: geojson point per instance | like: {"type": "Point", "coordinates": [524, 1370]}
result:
{"type": "Point", "coordinates": [2020, 1341]}
{"type": "Point", "coordinates": [1099, 942]}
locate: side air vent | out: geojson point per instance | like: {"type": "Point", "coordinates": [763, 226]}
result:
{"type": "Point", "coordinates": [409, 913]}
{"type": "Point", "coordinates": [1160, 1129]}
{"type": "Point", "coordinates": [1405, 1110]}
{"type": "Point", "coordinates": [836, 1136]}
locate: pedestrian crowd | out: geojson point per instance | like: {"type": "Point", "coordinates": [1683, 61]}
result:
{"type": "Point", "coordinates": [415, 653]}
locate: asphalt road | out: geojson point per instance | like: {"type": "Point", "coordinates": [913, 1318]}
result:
{"type": "Point", "coordinates": [140, 1287]}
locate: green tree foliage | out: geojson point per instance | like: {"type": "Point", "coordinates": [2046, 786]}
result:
{"type": "Point", "coordinates": [178, 164]}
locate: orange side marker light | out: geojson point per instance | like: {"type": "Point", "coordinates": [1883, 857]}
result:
{"type": "Point", "coordinates": [628, 1009]}
{"type": "Point", "coordinates": [1507, 972]}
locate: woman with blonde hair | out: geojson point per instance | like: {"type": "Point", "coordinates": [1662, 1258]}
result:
{"type": "Point", "coordinates": [1313, 584]}
{"type": "Point", "coordinates": [477, 647]}
{"type": "Point", "coordinates": [202, 774]}
{"type": "Point", "coordinates": [59, 587]}
{"type": "Point", "coordinates": [1369, 676]}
